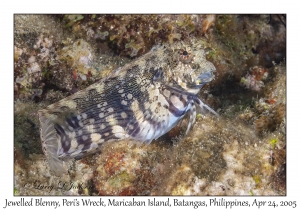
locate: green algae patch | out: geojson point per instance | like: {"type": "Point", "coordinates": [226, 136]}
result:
{"type": "Point", "coordinates": [120, 181]}
{"type": "Point", "coordinates": [257, 180]}
{"type": "Point", "coordinates": [273, 143]}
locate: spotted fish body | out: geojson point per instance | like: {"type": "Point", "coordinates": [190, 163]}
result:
{"type": "Point", "coordinates": [142, 100]}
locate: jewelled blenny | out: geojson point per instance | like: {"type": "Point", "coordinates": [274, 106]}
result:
{"type": "Point", "coordinates": [142, 100]}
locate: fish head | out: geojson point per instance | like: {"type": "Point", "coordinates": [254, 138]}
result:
{"type": "Point", "coordinates": [186, 66]}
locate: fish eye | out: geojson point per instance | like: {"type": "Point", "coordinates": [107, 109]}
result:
{"type": "Point", "coordinates": [185, 56]}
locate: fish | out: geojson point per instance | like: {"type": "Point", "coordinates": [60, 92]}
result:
{"type": "Point", "coordinates": [142, 101]}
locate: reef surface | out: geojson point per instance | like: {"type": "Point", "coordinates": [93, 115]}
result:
{"type": "Point", "coordinates": [241, 152]}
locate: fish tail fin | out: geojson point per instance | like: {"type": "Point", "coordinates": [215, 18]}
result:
{"type": "Point", "coordinates": [50, 146]}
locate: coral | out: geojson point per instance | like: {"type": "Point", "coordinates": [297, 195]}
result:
{"type": "Point", "coordinates": [125, 171]}
{"type": "Point", "coordinates": [17, 53]}
{"type": "Point", "coordinates": [251, 82]}
{"type": "Point", "coordinates": [242, 152]}
{"type": "Point", "coordinates": [272, 108]}
{"type": "Point", "coordinates": [278, 178]}
{"type": "Point", "coordinates": [207, 22]}
{"type": "Point", "coordinates": [32, 64]}
{"type": "Point", "coordinates": [26, 135]}
{"type": "Point", "coordinates": [253, 78]}
{"type": "Point", "coordinates": [78, 56]}
{"type": "Point", "coordinates": [134, 35]}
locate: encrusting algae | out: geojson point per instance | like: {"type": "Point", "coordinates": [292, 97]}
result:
{"type": "Point", "coordinates": [70, 60]}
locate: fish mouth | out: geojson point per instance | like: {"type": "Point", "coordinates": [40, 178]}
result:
{"type": "Point", "coordinates": [201, 80]}
{"type": "Point", "coordinates": [208, 76]}
{"type": "Point", "coordinates": [205, 77]}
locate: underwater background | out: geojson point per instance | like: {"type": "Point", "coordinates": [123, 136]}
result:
{"type": "Point", "coordinates": [241, 152]}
